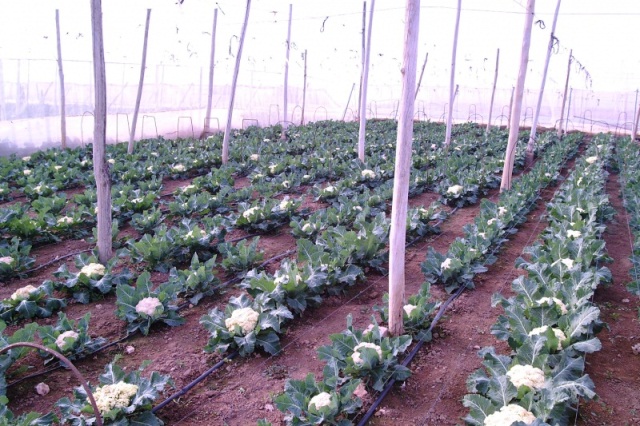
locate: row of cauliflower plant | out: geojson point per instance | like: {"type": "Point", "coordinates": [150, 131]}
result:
{"type": "Point", "coordinates": [629, 166]}
{"type": "Point", "coordinates": [551, 321]}
{"type": "Point", "coordinates": [358, 365]}
{"type": "Point", "coordinates": [470, 254]}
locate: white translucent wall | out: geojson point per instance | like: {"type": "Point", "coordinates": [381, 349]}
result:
{"type": "Point", "coordinates": [174, 96]}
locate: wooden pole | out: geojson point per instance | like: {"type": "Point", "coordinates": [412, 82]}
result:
{"type": "Point", "coordinates": [143, 66]}
{"type": "Point", "coordinates": [348, 101]}
{"type": "Point", "coordinates": [100, 167]}
{"type": "Point", "coordinates": [424, 65]}
{"type": "Point", "coordinates": [566, 122]}
{"type": "Point", "coordinates": [207, 115]}
{"type": "Point", "coordinates": [513, 89]}
{"type": "Point", "coordinates": [283, 136]}
{"type": "Point", "coordinates": [363, 91]}
{"type": "Point", "coordinates": [2, 101]}
{"type": "Point", "coordinates": [447, 139]}
{"type": "Point", "coordinates": [564, 97]}
{"type": "Point", "coordinates": [514, 127]}
{"type": "Point", "coordinates": [236, 71]}
{"type": "Point", "coordinates": [364, 46]}
{"type": "Point", "coordinates": [493, 91]}
{"type": "Point", "coordinates": [634, 133]}
{"type": "Point", "coordinates": [63, 114]}
{"type": "Point", "coordinates": [304, 89]}
{"type": "Point", "coordinates": [402, 170]}
{"type": "Point", "coordinates": [534, 126]}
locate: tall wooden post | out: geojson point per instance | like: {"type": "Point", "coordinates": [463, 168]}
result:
{"type": "Point", "coordinates": [493, 91]}
{"type": "Point", "coordinates": [286, 76]}
{"type": "Point", "coordinates": [100, 166]}
{"type": "Point", "coordinates": [566, 122]}
{"type": "Point", "coordinates": [63, 112]}
{"type": "Point", "coordinates": [532, 137]}
{"type": "Point", "coordinates": [447, 138]}
{"type": "Point", "coordinates": [304, 89]}
{"type": "Point", "coordinates": [212, 57]}
{"type": "Point", "coordinates": [143, 66]}
{"type": "Point", "coordinates": [424, 65]}
{"type": "Point", "coordinates": [363, 91]}
{"type": "Point", "coordinates": [513, 90]}
{"type": "Point", "coordinates": [402, 169]}
{"type": "Point", "coordinates": [637, 120]}
{"type": "Point", "coordinates": [514, 128]}
{"type": "Point", "coordinates": [564, 97]}
{"type": "Point", "coordinates": [236, 71]}
{"type": "Point", "coordinates": [364, 48]}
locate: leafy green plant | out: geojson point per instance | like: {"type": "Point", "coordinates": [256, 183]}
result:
{"type": "Point", "coordinates": [417, 313]}
{"type": "Point", "coordinates": [244, 325]}
{"type": "Point", "coordinates": [14, 258]}
{"type": "Point", "coordinates": [33, 418]}
{"type": "Point", "coordinates": [141, 306]}
{"type": "Point", "coordinates": [197, 281]}
{"type": "Point", "coordinates": [147, 221]}
{"type": "Point", "coordinates": [241, 257]}
{"type": "Point", "coordinates": [30, 302]}
{"type": "Point", "coordinates": [122, 398]}
{"type": "Point", "coordinates": [8, 358]}
{"type": "Point", "coordinates": [296, 287]}
{"type": "Point", "coordinates": [93, 280]}
{"type": "Point", "coordinates": [307, 402]}
{"type": "Point", "coordinates": [70, 338]}
{"type": "Point", "coordinates": [364, 354]}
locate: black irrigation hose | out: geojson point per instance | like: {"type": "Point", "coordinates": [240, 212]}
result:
{"type": "Point", "coordinates": [410, 357]}
{"type": "Point", "coordinates": [57, 259]}
{"type": "Point", "coordinates": [199, 379]}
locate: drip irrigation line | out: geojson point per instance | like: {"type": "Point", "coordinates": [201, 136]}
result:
{"type": "Point", "coordinates": [57, 259]}
{"type": "Point", "coordinates": [61, 365]}
{"type": "Point", "coordinates": [199, 379]}
{"type": "Point", "coordinates": [407, 360]}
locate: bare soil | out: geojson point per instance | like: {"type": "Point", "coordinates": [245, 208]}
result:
{"type": "Point", "coordinates": [240, 393]}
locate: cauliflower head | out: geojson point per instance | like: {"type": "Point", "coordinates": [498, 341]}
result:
{"type": "Point", "coordinates": [509, 414]}
{"type": "Point", "coordinates": [357, 359]}
{"type": "Point", "coordinates": [323, 399]}
{"type": "Point", "coordinates": [117, 395]}
{"type": "Point", "coordinates": [526, 375]}
{"type": "Point", "coordinates": [66, 340]}
{"type": "Point", "coordinates": [23, 293]}
{"type": "Point", "coordinates": [245, 318]}
{"type": "Point", "coordinates": [149, 306]}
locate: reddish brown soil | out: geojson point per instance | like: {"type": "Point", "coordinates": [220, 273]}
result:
{"type": "Point", "coordinates": [240, 393]}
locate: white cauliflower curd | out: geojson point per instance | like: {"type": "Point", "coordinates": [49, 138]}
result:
{"type": "Point", "coordinates": [591, 160]}
{"type": "Point", "coordinates": [368, 174]}
{"type": "Point", "coordinates": [26, 172]}
{"type": "Point", "coordinates": [117, 395]}
{"type": "Point", "coordinates": [509, 414]}
{"type": "Point", "coordinates": [245, 318]}
{"type": "Point", "coordinates": [573, 234]}
{"type": "Point", "coordinates": [254, 157]}
{"type": "Point", "coordinates": [558, 333]}
{"type": "Point", "coordinates": [323, 399]}
{"type": "Point", "coordinates": [148, 306]}
{"type": "Point", "coordinates": [408, 308]}
{"type": "Point", "coordinates": [567, 262]}
{"type": "Point", "coordinates": [250, 212]}
{"type": "Point", "coordinates": [552, 300]}
{"type": "Point", "coordinates": [501, 210]}
{"type": "Point", "coordinates": [357, 359]}
{"type": "Point", "coordinates": [446, 264]}
{"type": "Point", "coordinates": [65, 220]}
{"type": "Point", "coordinates": [93, 270]}
{"type": "Point", "coordinates": [66, 340]}
{"type": "Point", "coordinates": [23, 293]}
{"type": "Point", "coordinates": [178, 168]}
{"type": "Point", "coordinates": [526, 375]}
{"type": "Point", "coordinates": [7, 260]}
{"type": "Point", "coordinates": [455, 189]}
